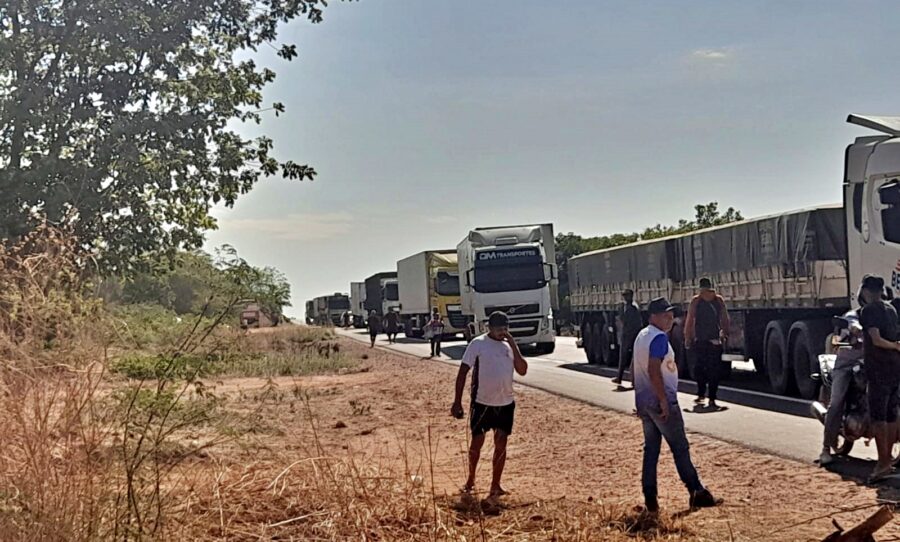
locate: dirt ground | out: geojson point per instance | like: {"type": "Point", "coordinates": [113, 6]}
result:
{"type": "Point", "coordinates": [394, 416]}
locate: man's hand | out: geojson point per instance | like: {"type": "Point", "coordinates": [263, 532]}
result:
{"type": "Point", "coordinates": [507, 336]}
{"type": "Point", "coordinates": [457, 411]}
{"type": "Point", "coordinates": [664, 410]}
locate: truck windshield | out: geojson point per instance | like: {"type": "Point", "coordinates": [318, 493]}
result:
{"type": "Point", "coordinates": [509, 270]}
{"type": "Point", "coordinates": [338, 303]}
{"type": "Point", "coordinates": [447, 284]}
{"type": "Point", "coordinates": [391, 292]}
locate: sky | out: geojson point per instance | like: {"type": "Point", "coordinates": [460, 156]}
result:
{"type": "Point", "coordinates": [426, 119]}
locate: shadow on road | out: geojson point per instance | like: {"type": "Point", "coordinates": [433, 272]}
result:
{"type": "Point", "coordinates": [858, 470]}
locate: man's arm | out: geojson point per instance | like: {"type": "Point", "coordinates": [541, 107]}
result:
{"type": "Point", "coordinates": [656, 380]}
{"type": "Point", "coordinates": [519, 362]}
{"type": "Point", "coordinates": [689, 323]}
{"type": "Point", "coordinates": [724, 319]}
{"type": "Point", "coordinates": [457, 410]}
{"type": "Point", "coordinates": [881, 342]}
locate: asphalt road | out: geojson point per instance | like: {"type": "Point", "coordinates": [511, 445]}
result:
{"type": "Point", "coordinates": [765, 426]}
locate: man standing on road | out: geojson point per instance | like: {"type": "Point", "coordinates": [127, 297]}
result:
{"type": "Point", "coordinates": [493, 356]}
{"type": "Point", "coordinates": [392, 325]}
{"type": "Point", "coordinates": [656, 399]}
{"type": "Point", "coordinates": [434, 331]}
{"type": "Point", "coordinates": [705, 333]}
{"type": "Point", "coordinates": [882, 358]}
{"type": "Point", "coordinates": [374, 325]}
{"type": "Point", "coordinates": [631, 322]}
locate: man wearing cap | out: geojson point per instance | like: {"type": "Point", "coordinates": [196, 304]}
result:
{"type": "Point", "coordinates": [881, 353]}
{"type": "Point", "coordinates": [705, 333]}
{"type": "Point", "coordinates": [493, 356]}
{"type": "Point", "coordinates": [656, 399]}
{"type": "Point", "coordinates": [631, 321]}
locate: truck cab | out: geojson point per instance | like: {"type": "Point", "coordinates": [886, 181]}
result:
{"type": "Point", "coordinates": [513, 270]}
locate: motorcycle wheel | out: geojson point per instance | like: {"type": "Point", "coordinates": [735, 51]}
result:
{"type": "Point", "coordinates": [844, 446]}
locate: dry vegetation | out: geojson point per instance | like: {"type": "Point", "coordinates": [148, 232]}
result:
{"type": "Point", "coordinates": [200, 432]}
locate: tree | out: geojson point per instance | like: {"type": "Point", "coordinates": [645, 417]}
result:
{"type": "Point", "coordinates": [117, 116]}
{"type": "Point", "coordinates": [570, 244]}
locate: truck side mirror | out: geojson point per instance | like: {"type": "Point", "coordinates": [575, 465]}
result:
{"type": "Point", "coordinates": [469, 278]}
{"type": "Point", "coordinates": [549, 272]}
{"type": "Point", "coordinates": [889, 193]}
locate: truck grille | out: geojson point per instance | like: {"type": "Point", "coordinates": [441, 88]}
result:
{"type": "Point", "coordinates": [514, 310]}
{"type": "Point", "coordinates": [457, 319]}
{"type": "Point", "coordinates": [523, 328]}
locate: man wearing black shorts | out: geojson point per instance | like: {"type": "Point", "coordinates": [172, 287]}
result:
{"type": "Point", "coordinates": [882, 361]}
{"type": "Point", "coordinates": [493, 356]}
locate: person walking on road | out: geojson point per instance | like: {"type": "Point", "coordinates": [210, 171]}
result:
{"type": "Point", "coordinates": [492, 358]}
{"type": "Point", "coordinates": [632, 322]}
{"type": "Point", "coordinates": [705, 334]}
{"type": "Point", "coordinates": [392, 325]}
{"type": "Point", "coordinates": [374, 325]}
{"type": "Point", "coordinates": [434, 331]}
{"type": "Point", "coordinates": [656, 400]}
{"type": "Point", "coordinates": [881, 353]}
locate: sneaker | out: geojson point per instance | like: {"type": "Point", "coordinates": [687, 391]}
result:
{"type": "Point", "coordinates": [825, 457]}
{"type": "Point", "coordinates": [703, 499]}
{"type": "Point", "coordinates": [652, 505]}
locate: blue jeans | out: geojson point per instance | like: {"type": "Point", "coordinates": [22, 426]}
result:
{"type": "Point", "coordinates": [673, 431]}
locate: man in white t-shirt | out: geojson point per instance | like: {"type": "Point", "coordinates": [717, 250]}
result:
{"type": "Point", "coordinates": [494, 356]}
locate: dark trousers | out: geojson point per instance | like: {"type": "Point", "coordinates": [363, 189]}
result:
{"type": "Point", "coordinates": [436, 345]}
{"type": "Point", "coordinates": [707, 368]}
{"type": "Point", "coordinates": [626, 355]}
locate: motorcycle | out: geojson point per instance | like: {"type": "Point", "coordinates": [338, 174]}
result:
{"type": "Point", "coordinates": [855, 422]}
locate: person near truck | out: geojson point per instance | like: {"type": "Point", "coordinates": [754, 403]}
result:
{"type": "Point", "coordinates": [493, 357]}
{"type": "Point", "coordinates": [631, 322]}
{"type": "Point", "coordinates": [846, 343]}
{"type": "Point", "coordinates": [705, 333]}
{"type": "Point", "coordinates": [374, 325]}
{"type": "Point", "coordinates": [656, 401]}
{"type": "Point", "coordinates": [392, 325]}
{"type": "Point", "coordinates": [434, 332]}
{"type": "Point", "coordinates": [881, 353]}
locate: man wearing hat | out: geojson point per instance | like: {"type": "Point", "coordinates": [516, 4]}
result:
{"type": "Point", "coordinates": [631, 322]}
{"type": "Point", "coordinates": [705, 332]}
{"type": "Point", "coordinates": [656, 399]}
{"type": "Point", "coordinates": [493, 357]}
{"type": "Point", "coordinates": [881, 353]}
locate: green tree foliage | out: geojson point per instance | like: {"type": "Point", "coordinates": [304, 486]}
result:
{"type": "Point", "coordinates": [570, 244]}
{"type": "Point", "coordinates": [118, 116]}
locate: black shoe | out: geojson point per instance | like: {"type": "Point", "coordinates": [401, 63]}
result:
{"type": "Point", "coordinates": [703, 499]}
{"type": "Point", "coordinates": [652, 504]}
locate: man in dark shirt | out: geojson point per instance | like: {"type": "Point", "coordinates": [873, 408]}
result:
{"type": "Point", "coordinates": [632, 322]}
{"type": "Point", "coordinates": [705, 332]}
{"type": "Point", "coordinates": [882, 358]}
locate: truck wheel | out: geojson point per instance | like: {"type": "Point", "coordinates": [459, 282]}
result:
{"type": "Point", "coordinates": [777, 362]}
{"type": "Point", "coordinates": [408, 329]}
{"type": "Point", "coordinates": [545, 348]}
{"type": "Point", "coordinates": [596, 353]}
{"type": "Point", "coordinates": [808, 343]}
{"type": "Point", "coordinates": [587, 340]}
{"type": "Point", "coordinates": [468, 333]}
{"type": "Point", "coordinates": [606, 350]}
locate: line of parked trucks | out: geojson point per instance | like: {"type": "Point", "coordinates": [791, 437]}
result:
{"type": "Point", "coordinates": [784, 276]}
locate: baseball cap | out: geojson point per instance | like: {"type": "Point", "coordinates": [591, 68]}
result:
{"type": "Point", "coordinates": [498, 319]}
{"type": "Point", "coordinates": [706, 284]}
{"type": "Point", "coordinates": [660, 305]}
{"type": "Point", "coordinates": [873, 283]}
{"type": "Point", "coordinates": [627, 291]}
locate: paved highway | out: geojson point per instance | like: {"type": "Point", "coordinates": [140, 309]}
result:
{"type": "Point", "coordinates": [766, 426]}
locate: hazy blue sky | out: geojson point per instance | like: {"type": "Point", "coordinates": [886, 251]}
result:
{"type": "Point", "coordinates": [427, 118]}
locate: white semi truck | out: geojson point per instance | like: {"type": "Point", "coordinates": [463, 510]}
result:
{"type": "Point", "coordinates": [382, 293]}
{"type": "Point", "coordinates": [784, 276]}
{"type": "Point", "coordinates": [430, 280]}
{"type": "Point", "coordinates": [358, 304]}
{"type": "Point", "coordinates": [511, 269]}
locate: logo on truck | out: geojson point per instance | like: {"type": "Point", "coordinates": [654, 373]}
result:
{"type": "Point", "coordinates": [494, 255]}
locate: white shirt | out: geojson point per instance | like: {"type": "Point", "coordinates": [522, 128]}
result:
{"type": "Point", "coordinates": [494, 376]}
{"type": "Point", "coordinates": [652, 343]}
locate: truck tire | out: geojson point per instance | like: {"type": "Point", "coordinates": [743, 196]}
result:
{"type": "Point", "coordinates": [596, 353]}
{"type": "Point", "coordinates": [607, 353]}
{"type": "Point", "coordinates": [807, 342]}
{"type": "Point", "coordinates": [408, 329]}
{"type": "Point", "coordinates": [587, 340]}
{"type": "Point", "coordinates": [545, 348]}
{"type": "Point", "coordinates": [469, 332]}
{"type": "Point", "coordinates": [778, 365]}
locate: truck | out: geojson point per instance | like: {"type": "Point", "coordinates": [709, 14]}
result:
{"type": "Point", "coordinates": [511, 269]}
{"type": "Point", "coordinates": [430, 280]}
{"type": "Point", "coordinates": [358, 304]}
{"type": "Point", "coordinates": [329, 308]}
{"type": "Point", "coordinates": [783, 276]}
{"type": "Point", "coordinates": [382, 293]}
